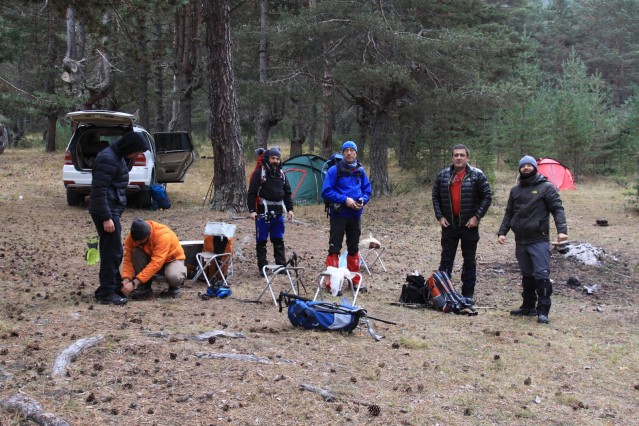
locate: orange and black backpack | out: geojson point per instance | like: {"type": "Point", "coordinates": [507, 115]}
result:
{"type": "Point", "coordinates": [443, 296]}
{"type": "Point", "coordinates": [437, 291]}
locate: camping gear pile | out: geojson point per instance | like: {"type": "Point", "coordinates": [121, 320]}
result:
{"type": "Point", "coordinates": [437, 292]}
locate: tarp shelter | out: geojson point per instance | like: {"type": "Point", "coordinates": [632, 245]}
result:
{"type": "Point", "coordinates": [558, 174]}
{"type": "Point", "coordinates": [304, 174]}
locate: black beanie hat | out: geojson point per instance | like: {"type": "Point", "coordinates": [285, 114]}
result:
{"type": "Point", "coordinates": [140, 230]}
{"type": "Point", "coordinates": [132, 142]}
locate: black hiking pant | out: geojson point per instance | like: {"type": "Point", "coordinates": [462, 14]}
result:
{"type": "Point", "coordinates": [340, 226]}
{"type": "Point", "coordinates": [110, 258]}
{"type": "Point", "coordinates": [469, 238]}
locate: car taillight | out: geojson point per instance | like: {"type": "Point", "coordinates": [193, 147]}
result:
{"type": "Point", "coordinates": [140, 160]}
{"type": "Point", "coordinates": [67, 159]}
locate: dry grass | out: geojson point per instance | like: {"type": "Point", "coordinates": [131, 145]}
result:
{"type": "Point", "coordinates": [431, 367]}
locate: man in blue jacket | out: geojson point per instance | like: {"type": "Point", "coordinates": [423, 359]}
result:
{"type": "Point", "coordinates": [107, 203]}
{"type": "Point", "coordinates": [347, 189]}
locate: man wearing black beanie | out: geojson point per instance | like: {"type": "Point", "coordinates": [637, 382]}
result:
{"type": "Point", "coordinates": [149, 249]}
{"type": "Point", "coordinates": [107, 203]}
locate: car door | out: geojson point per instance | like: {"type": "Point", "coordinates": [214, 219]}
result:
{"type": "Point", "coordinates": [173, 156]}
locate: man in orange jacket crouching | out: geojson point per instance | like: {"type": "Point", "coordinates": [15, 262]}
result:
{"type": "Point", "coordinates": [151, 248]}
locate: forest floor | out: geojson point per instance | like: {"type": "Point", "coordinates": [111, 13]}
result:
{"type": "Point", "coordinates": [430, 368]}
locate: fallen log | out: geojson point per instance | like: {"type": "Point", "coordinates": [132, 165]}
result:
{"type": "Point", "coordinates": [237, 357]}
{"type": "Point", "coordinates": [219, 333]}
{"type": "Point", "coordinates": [199, 337]}
{"type": "Point", "coordinates": [31, 410]}
{"type": "Point", "coordinates": [328, 396]}
{"type": "Point", "coordinates": [69, 354]}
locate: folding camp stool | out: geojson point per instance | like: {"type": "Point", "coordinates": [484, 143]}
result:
{"type": "Point", "coordinates": [347, 278]}
{"type": "Point", "coordinates": [220, 261]}
{"type": "Point", "coordinates": [292, 273]}
{"type": "Point", "coordinates": [375, 254]}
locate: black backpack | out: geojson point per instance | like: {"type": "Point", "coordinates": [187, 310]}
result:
{"type": "Point", "coordinates": [414, 291]}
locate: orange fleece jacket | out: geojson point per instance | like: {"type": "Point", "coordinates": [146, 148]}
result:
{"type": "Point", "coordinates": [163, 247]}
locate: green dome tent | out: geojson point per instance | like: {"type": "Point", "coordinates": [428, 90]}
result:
{"type": "Point", "coordinates": [304, 174]}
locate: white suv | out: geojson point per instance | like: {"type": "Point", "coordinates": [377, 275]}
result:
{"type": "Point", "coordinates": [168, 160]}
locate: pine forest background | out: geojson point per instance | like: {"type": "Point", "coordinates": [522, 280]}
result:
{"type": "Point", "coordinates": [405, 79]}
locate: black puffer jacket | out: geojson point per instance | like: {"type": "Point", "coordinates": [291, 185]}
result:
{"type": "Point", "coordinates": [528, 211]}
{"type": "Point", "coordinates": [111, 176]}
{"type": "Point", "coordinates": [476, 195]}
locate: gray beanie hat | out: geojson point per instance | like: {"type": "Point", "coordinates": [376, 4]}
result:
{"type": "Point", "coordinates": [274, 152]}
{"type": "Point", "coordinates": [527, 159]}
{"type": "Point", "coordinates": [140, 230]}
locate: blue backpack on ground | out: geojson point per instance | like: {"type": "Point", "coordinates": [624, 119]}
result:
{"type": "Point", "coordinates": [318, 315]}
{"type": "Point", "coordinates": [160, 197]}
{"type": "Point", "coordinates": [323, 315]}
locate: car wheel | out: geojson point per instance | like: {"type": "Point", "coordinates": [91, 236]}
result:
{"type": "Point", "coordinates": [74, 198]}
{"type": "Point", "coordinates": [144, 198]}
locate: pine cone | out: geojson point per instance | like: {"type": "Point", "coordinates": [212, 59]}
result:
{"type": "Point", "coordinates": [374, 410]}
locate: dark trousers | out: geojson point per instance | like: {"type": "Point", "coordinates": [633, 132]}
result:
{"type": "Point", "coordinates": [340, 226]}
{"type": "Point", "coordinates": [110, 257]}
{"type": "Point", "coordinates": [469, 238]}
{"type": "Point", "coordinates": [534, 262]}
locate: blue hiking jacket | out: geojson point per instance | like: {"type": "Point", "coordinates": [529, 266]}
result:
{"type": "Point", "coordinates": [351, 183]}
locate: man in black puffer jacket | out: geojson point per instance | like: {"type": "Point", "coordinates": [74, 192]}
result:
{"type": "Point", "coordinates": [528, 215]}
{"type": "Point", "coordinates": [107, 202]}
{"type": "Point", "coordinates": [461, 197]}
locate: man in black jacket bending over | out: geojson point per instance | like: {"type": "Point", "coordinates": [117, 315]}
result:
{"type": "Point", "coordinates": [107, 202]}
{"type": "Point", "coordinates": [461, 197]}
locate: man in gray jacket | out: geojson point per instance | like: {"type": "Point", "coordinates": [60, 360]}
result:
{"type": "Point", "coordinates": [530, 204]}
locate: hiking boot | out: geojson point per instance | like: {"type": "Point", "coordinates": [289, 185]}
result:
{"type": "Point", "coordinates": [171, 293]}
{"type": "Point", "coordinates": [143, 292]}
{"type": "Point", "coordinates": [112, 299]}
{"type": "Point", "coordinates": [362, 289]}
{"type": "Point", "coordinates": [542, 319]}
{"type": "Point", "coordinates": [524, 312]}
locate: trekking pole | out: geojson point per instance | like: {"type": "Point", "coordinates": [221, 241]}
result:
{"type": "Point", "coordinates": [209, 191]}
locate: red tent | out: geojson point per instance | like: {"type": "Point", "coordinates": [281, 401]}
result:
{"type": "Point", "coordinates": [556, 173]}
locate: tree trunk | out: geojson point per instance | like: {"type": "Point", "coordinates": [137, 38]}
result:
{"type": "Point", "coordinates": [105, 80]}
{"type": "Point", "coordinates": [73, 68]}
{"type": "Point", "coordinates": [404, 143]}
{"type": "Point", "coordinates": [297, 140]}
{"type": "Point", "coordinates": [158, 74]}
{"type": "Point", "coordinates": [49, 80]}
{"type": "Point", "coordinates": [364, 124]}
{"type": "Point", "coordinates": [144, 72]}
{"type": "Point", "coordinates": [267, 117]}
{"type": "Point", "coordinates": [328, 113]}
{"type": "Point", "coordinates": [379, 154]}
{"type": "Point", "coordinates": [186, 64]}
{"type": "Point", "coordinates": [228, 166]}
{"type": "Point", "coordinates": [312, 128]}
{"type": "Point", "coordinates": [4, 138]}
